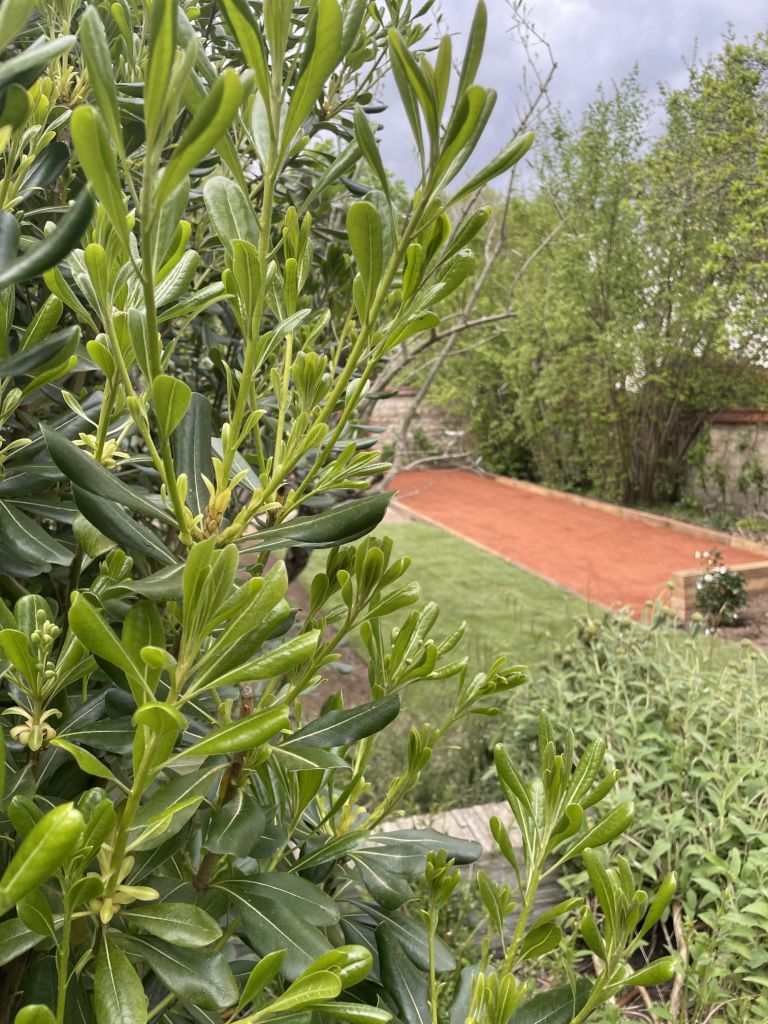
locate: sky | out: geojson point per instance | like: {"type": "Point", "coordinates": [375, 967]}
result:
{"type": "Point", "coordinates": [592, 41]}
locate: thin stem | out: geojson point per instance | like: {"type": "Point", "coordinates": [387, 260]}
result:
{"type": "Point", "coordinates": [62, 968]}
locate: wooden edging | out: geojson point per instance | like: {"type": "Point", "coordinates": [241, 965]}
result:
{"type": "Point", "coordinates": [713, 537]}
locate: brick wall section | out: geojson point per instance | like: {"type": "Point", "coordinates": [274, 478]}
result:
{"type": "Point", "coordinates": [738, 445]}
{"type": "Point", "coordinates": [443, 428]}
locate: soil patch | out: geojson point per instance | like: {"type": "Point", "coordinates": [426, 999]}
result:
{"type": "Point", "coordinates": [752, 623]}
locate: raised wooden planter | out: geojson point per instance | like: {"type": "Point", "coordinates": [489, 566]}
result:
{"type": "Point", "coordinates": [683, 596]}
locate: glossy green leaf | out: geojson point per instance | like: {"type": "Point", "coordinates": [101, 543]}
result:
{"type": "Point", "coordinates": [370, 148]}
{"type": "Point", "coordinates": [162, 47]}
{"type": "Point", "coordinates": [81, 469]}
{"type": "Point", "coordinates": [339, 525]}
{"type": "Point", "coordinates": [178, 923]}
{"type": "Point", "coordinates": [34, 58]}
{"type": "Point", "coordinates": [9, 239]}
{"type": "Point", "coordinates": [48, 846]}
{"type": "Point", "coordinates": [248, 32]}
{"type": "Point", "coordinates": [12, 19]}
{"type": "Point", "coordinates": [16, 647]}
{"type": "Point", "coordinates": [323, 58]}
{"type": "Point", "coordinates": [192, 451]}
{"type": "Point", "coordinates": [118, 993]}
{"type": "Point", "coordinates": [244, 734]}
{"type": "Point", "coordinates": [34, 911]}
{"type": "Point", "coordinates": [271, 926]}
{"type": "Point", "coordinates": [474, 49]}
{"type": "Point", "coordinates": [163, 585]}
{"type": "Point", "coordinates": [659, 972]}
{"type": "Point", "coordinates": [354, 1013]}
{"type": "Point", "coordinates": [98, 637]}
{"type": "Point", "coordinates": [171, 805]}
{"type": "Point", "coordinates": [56, 348]}
{"type": "Point", "coordinates": [86, 761]}
{"type": "Point", "coordinates": [15, 939]}
{"type": "Point", "coordinates": [365, 238]}
{"type": "Point", "coordinates": [507, 159]}
{"type": "Point", "coordinates": [261, 975]}
{"type": "Point", "coordinates": [97, 158]}
{"type": "Point", "coordinates": [235, 827]}
{"type": "Point", "coordinates": [405, 984]}
{"type": "Point", "coordinates": [55, 246]}
{"type": "Point", "coordinates": [230, 212]}
{"type": "Point", "coordinates": [198, 976]}
{"type": "Point", "coordinates": [115, 523]}
{"type": "Point", "coordinates": [338, 728]}
{"type": "Point", "coordinates": [309, 759]}
{"type": "Point", "coordinates": [611, 827]}
{"type": "Point", "coordinates": [211, 120]}
{"type": "Point", "coordinates": [555, 1006]}
{"type": "Point", "coordinates": [302, 897]}
{"type": "Point", "coordinates": [315, 986]}
{"type": "Point", "coordinates": [98, 60]}
{"type": "Point", "coordinates": [34, 1013]}
{"type": "Point", "coordinates": [171, 398]}
{"type": "Point", "coordinates": [30, 540]}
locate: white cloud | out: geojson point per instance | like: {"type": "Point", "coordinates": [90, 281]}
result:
{"type": "Point", "coordinates": [594, 42]}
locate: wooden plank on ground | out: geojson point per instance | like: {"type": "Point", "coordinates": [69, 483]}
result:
{"type": "Point", "coordinates": [473, 823]}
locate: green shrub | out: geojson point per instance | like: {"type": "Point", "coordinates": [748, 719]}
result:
{"type": "Point", "coordinates": [181, 841]}
{"type": "Point", "coordinates": [720, 591]}
{"type": "Point", "coordinates": [691, 729]}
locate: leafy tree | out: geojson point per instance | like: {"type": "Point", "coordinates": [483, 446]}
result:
{"type": "Point", "coordinates": [181, 840]}
{"type": "Point", "coordinates": [645, 312]}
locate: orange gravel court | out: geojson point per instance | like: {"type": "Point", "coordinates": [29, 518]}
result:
{"type": "Point", "coordinates": [596, 550]}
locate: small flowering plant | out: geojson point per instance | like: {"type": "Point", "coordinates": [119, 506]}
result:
{"type": "Point", "coordinates": [720, 591]}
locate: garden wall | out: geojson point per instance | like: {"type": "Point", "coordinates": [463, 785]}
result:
{"type": "Point", "coordinates": [733, 471]}
{"type": "Point", "coordinates": [435, 430]}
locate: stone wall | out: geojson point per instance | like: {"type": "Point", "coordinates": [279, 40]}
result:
{"type": "Point", "coordinates": [734, 471]}
{"type": "Point", "coordinates": [434, 430]}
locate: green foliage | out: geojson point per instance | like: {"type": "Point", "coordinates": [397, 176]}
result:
{"type": "Point", "coordinates": [691, 728]}
{"type": "Point", "coordinates": [638, 263]}
{"type": "Point", "coordinates": [181, 840]}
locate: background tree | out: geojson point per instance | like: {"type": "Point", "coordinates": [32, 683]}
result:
{"type": "Point", "coordinates": [644, 312]}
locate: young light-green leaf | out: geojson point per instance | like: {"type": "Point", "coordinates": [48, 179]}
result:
{"type": "Point", "coordinates": [325, 54]}
{"type": "Point", "coordinates": [211, 120]}
{"type": "Point", "coordinates": [170, 397]}
{"type": "Point", "coordinates": [365, 238]}
{"type": "Point", "coordinates": [97, 159]}
{"type": "Point", "coordinates": [101, 75]}
{"type": "Point", "coordinates": [178, 923]}
{"type": "Point", "coordinates": [244, 734]}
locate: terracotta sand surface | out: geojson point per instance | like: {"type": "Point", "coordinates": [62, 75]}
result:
{"type": "Point", "coordinates": [613, 561]}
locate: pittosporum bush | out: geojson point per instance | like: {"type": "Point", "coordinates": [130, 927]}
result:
{"type": "Point", "coordinates": [194, 294]}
